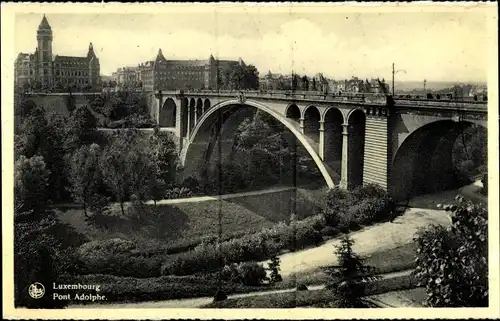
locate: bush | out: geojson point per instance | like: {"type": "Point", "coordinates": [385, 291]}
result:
{"type": "Point", "coordinates": [254, 247]}
{"type": "Point", "coordinates": [370, 210]}
{"type": "Point", "coordinates": [302, 287]}
{"type": "Point", "coordinates": [364, 205]}
{"type": "Point", "coordinates": [118, 257]}
{"type": "Point", "coordinates": [330, 231]}
{"type": "Point", "coordinates": [251, 273]}
{"type": "Point", "coordinates": [129, 289]}
{"type": "Point", "coordinates": [452, 263]}
{"type": "Point", "coordinates": [220, 296]}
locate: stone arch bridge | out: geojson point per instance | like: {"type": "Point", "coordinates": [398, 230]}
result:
{"type": "Point", "coordinates": [404, 145]}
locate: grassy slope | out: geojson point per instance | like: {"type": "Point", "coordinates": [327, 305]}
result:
{"type": "Point", "coordinates": [188, 223]}
{"type": "Point", "coordinates": [176, 223]}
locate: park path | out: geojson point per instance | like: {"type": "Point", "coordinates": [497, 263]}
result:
{"type": "Point", "coordinates": [377, 238]}
{"type": "Point", "coordinates": [198, 199]}
{"type": "Point", "coordinates": [199, 302]}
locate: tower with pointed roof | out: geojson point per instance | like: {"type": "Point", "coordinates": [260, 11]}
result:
{"type": "Point", "coordinates": [44, 56]}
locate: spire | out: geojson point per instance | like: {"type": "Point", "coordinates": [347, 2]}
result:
{"type": "Point", "coordinates": [160, 55]}
{"type": "Point", "coordinates": [44, 24]}
{"type": "Point", "coordinates": [91, 53]}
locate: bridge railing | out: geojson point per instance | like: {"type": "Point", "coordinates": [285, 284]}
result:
{"type": "Point", "coordinates": [318, 95]}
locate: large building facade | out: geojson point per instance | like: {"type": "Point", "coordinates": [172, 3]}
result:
{"type": "Point", "coordinates": [163, 74]}
{"type": "Point", "coordinates": [43, 70]}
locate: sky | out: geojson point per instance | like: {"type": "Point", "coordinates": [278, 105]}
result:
{"type": "Point", "coordinates": [437, 46]}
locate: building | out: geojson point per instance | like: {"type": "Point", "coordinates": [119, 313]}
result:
{"type": "Point", "coordinates": [164, 74]}
{"type": "Point", "coordinates": [43, 70]}
{"type": "Point", "coordinates": [127, 77]}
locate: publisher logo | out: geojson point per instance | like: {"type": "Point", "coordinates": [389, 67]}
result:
{"type": "Point", "coordinates": [36, 290]}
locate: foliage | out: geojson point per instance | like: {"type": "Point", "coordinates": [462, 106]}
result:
{"type": "Point", "coordinates": [470, 151]}
{"type": "Point", "coordinates": [348, 210]}
{"type": "Point", "coordinates": [302, 287]}
{"type": "Point", "coordinates": [128, 169]}
{"type": "Point", "coordinates": [237, 77]}
{"type": "Point", "coordinates": [38, 257]}
{"type": "Point", "coordinates": [81, 124]}
{"type": "Point", "coordinates": [274, 267]}
{"type": "Point", "coordinates": [251, 273]}
{"type": "Point", "coordinates": [85, 175]}
{"type": "Point", "coordinates": [123, 109]}
{"type": "Point", "coordinates": [452, 263]}
{"type": "Point", "coordinates": [253, 247]}
{"type": "Point", "coordinates": [129, 289]}
{"type": "Point", "coordinates": [286, 300]}
{"type": "Point", "coordinates": [164, 156]}
{"type": "Point", "coordinates": [117, 257]}
{"type": "Point", "coordinates": [349, 278]}
{"type": "Point", "coordinates": [220, 296]}
{"type": "Point", "coordinates": [31, 179]}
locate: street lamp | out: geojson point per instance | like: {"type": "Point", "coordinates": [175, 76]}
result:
{"type": "Point", "coordinates": [393, 73]}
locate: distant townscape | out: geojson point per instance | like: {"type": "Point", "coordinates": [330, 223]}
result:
{"type": "Point", "coordinates": [42, 71]}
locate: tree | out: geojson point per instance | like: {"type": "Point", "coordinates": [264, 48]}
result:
{"type": "Point", "coordinates": [31, 180]}
{"type": "Point", "coordinates": [70, 103]}
{"type": "Point", "coordinates": [55, 152]}
{"type": "Point", "coordinates": [295, 80]}
{"type": "Point", "coordinates": [274, 267]}
{"type": "Point", "coordinates": [348, 280]}
{"type": "Point", "coordinates": [452, 263]}
{"type": "Point", "coordinates": [34, 130]}
{"type": "Point", "coordinates": [305, 83]}
{"type": "Point", "coordinates": [81, 125]}
{"type": "Point", "coordinates": [85, 175]}
{"type": "Point", "coordinates": [314, 84]}
{"type": "Point", "coordinates": [164, 156]}
{"type": "Point", "coordinates": [114, 170]}
{"type": "Point", "coordinates": [38, 257]}
{"type": "Point", "coordinates": [238, 76]}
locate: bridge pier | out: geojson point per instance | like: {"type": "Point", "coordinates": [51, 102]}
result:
{"type": "Point", "coordinates": [321, 147]}
{"type": "Point", "coordinates": [301, 125]}
{"type": "Point", "coordinates": [344, 179]}
{"type": "Point", "coordinates": [377, 147]}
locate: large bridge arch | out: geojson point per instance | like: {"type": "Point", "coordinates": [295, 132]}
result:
{"type": "Point", "coordinates": [210, 124]}
{"type": "Point", "coordinates": [423, 164]}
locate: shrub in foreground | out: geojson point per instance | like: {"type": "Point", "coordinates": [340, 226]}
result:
{"type": "Point", "coordinates": [254, 247]}
{"type": "Point", "coordinates": [118, 257]}
{"type": "Point", "coordinates": [452, 263]}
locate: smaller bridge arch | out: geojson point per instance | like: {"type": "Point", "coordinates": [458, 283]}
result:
{"type": "Point", "coordinates": [168, 114]}
{"type": "Point", "coordinates": [199, 108]}
{"type": "Point", "coordinates": [355, 130]}
{"type": "Point", "coordinates": [292, 111]}
{"type": "Point", "coordinates": [333, 120]}
{"type": "Point", "coordinates": [312, 118]}
{"type": "Point", "coordinates": [206, 105]}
